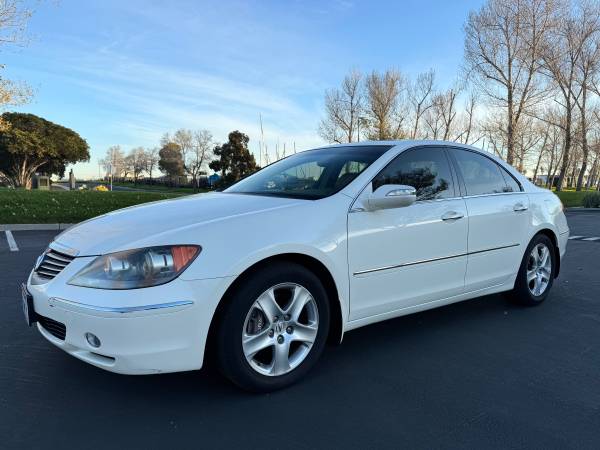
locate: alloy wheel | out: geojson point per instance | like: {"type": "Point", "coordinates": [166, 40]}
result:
{"type": "Point", "coordinates": [539, 269]}
{"type": "Point", "coordinates": [280, 329]}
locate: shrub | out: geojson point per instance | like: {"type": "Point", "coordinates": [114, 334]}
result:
{"type": "Point", "coordinates": [591, 200]}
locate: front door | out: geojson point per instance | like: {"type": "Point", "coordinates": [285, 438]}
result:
{"type": "Point", "coordinates": [404, 257]}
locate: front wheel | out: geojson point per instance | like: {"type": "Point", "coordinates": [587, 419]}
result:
{"type": "Point", "coordinates": [274, 328]}
{"type": "Point", "coordinates": [536, 273]}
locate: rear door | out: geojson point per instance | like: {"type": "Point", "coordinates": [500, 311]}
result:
{"type": "Point", "coordinates": [498, 212]}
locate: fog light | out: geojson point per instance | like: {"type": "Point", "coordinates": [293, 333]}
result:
{"type": "Point", "coordinates": [92, 340]}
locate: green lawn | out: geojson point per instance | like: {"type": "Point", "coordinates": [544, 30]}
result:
{"type": "Point", "coordinates": [21, 206]}
{"type": "Point", "coordinates": [571, 198]}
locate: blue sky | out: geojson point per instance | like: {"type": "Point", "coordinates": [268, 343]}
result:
{"type": "Point", "coordinates": [125, 72]}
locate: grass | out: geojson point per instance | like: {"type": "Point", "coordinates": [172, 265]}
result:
{"type": "Point", "coordinates": [21, 206]}
{"type": "Point", "coordinates": [571, 198]}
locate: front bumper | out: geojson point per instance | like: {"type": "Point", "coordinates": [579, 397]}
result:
{"type": "Point", "coordinates": [142, 331]}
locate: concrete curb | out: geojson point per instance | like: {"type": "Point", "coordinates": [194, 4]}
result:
{"type": "Point", "coordinates": [581, 209]}
{"type": "Point", "coordinates": [35, 226]}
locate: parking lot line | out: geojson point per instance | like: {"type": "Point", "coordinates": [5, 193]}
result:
{"type": "Point", "coordinates": [575, 237]}
{"type": "Point", "coordinates": [591, 239]}
{"type": "Point", "coordinates": [12, 244]}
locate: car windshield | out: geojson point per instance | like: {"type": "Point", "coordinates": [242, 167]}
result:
{"type": "Point", "coordinates": [312, 174]}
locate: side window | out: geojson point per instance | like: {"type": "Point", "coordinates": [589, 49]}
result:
{"type": "Point", "coordinates": [426, 169]}
{"type": "Point", "coordinates": [481, 174]}
{"type": "Point", "coordinates": [511, 183]}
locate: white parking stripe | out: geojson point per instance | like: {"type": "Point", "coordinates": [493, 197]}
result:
{"type": "Point", "coordinates": [575, 237]}
{"type": "Point", "coordinates": [591, 239]}
{"type": "Point", "coordinates": [11, 241]}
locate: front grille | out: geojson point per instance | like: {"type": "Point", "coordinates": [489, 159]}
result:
{"type": "Point", "coordinates": [56, 329]}
{"type": "Point", "coordinates": [52, 264]}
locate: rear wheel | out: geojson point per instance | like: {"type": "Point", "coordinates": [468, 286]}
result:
{"type": "Point", "coordinates": [536, 273]}
{"type": "Point", "coordinates": [274, 328]}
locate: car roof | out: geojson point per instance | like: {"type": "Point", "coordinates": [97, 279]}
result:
{"type": "Point", "coordinates": [402, 143]}
{"type": "Point", "coordinates": [405, 144]}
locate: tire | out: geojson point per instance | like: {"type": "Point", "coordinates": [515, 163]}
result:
{"type": "Point", "coordinates": [261, 314]}
{"type": "Point", "coordinates": [530, 291]}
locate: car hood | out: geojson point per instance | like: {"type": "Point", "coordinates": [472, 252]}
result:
{"type": "Point", "coordinates": [164, 220]}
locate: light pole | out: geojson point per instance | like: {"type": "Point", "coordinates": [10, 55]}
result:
{"type": "Point", "coordinates": [111, 167]}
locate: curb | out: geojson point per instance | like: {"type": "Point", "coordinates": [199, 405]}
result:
{"type": "Point", "coordinates": [35, 226]}
{"type": "Point", "coordinates": [581, 209]}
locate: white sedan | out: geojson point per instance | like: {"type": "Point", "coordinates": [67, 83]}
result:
{"type": "Point", "coordinates": [263, 274]}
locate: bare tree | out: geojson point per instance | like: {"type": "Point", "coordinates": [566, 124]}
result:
{"type": "Point", "coordinates": [185, 139]}
{"type": "Point", "coordinates": [439, 119]}
{"type": "Point", "coordinates": [419, 96]}
{"type": "Point", "coordinates": [588, 67]}
{"type": "Point", "coordinates": [544, 132]}
{"type": "Point", "coordinates": [152, 159]}
{"type": "Point", "coordinates": [113, 162]}
{"type": "Point", "coordinates": [202, 144]}
{"type": "Point", "coordinates": [528, 137]}
{"type": "Point", "coordinates": [383, 108]}
{"type": "Point", "coordinates": [468, 133]}
{"type": "Point", "coordinates": [343, 109]}
{"type": "Point", "coordinates": [137, 162]}
{"type": "Point", "coordinates": [572, 30]}
{"type": "Point", "coordinates": [503, 55]}
{"type": "Point", "coordinates": [14, 16]}
{"type": "Point", "coordinates": [447, 107]}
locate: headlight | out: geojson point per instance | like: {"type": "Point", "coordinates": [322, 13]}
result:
{"type": "Point", "coordinates": [138, 268]}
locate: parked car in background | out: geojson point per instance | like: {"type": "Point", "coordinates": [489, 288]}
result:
{"type": "Point", "coordinates": [263, 274]}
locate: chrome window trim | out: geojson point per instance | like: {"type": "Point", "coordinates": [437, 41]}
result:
{"type": "Point", "coordinates": [423, 261]}
{"type": "Point", "coordinates": [61, 248]}
{"type": "Point", "coordinates": [493, 195]}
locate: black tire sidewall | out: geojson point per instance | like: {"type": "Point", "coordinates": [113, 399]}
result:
{"type": "Point", "coordinates": [230, 355]}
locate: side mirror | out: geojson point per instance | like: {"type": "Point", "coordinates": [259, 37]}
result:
{"type": "Point", "coordinates": [391, 196]}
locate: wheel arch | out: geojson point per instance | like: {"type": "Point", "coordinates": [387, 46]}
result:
{"type": "Point", "coordinates": [311, 263]}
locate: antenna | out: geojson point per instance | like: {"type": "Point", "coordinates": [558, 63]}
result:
{"type": "Point", "coordinates": [262, 141]}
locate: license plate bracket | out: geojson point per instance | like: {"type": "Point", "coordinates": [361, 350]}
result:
{"type": "Point", "coordinates": [27, 304]}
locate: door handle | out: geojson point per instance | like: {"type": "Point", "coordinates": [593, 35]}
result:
{"type": "Point", "coordinates": [519, 207]}
{"type": "Point", "coordinates": [452, 215]}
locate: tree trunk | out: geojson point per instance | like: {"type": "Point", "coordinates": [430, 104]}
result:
{"type": "Point", "coordinates": [537, 165]}
{"type": "Point", "coordinates": [510, 135]}
{"type": "Point", "coordinates": [567, 149]}
{"type": "Point", "coordinates": [592, 177]}
{"type": "Point", "coordinates": [584, 142]}
{"type": "Point", "coordinates": [550, 167]}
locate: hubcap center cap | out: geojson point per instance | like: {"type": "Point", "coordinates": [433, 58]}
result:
{"type": "Point", "coordinates": [279, 327]}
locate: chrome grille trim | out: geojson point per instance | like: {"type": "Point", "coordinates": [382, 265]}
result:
{"type": "Point", "coordinates": [53, 262]}
{"type": "Point", "coordinates": [55, 256]}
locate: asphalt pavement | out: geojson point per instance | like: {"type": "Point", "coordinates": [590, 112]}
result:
{"type": "Point", "coordinates": [478, 374]}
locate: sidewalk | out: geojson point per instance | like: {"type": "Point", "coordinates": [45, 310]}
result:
{"type": "Point", "coordinates": [35, 226]}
